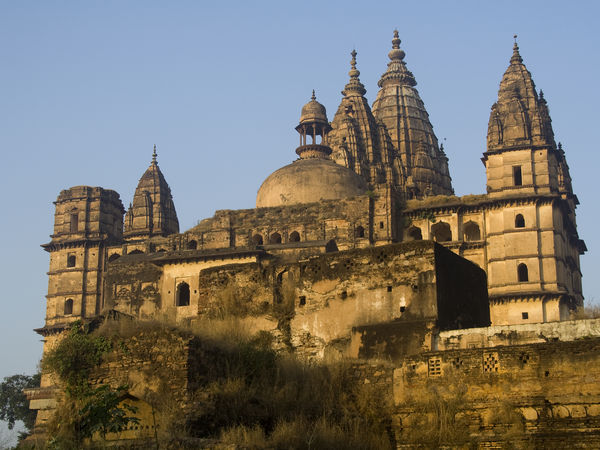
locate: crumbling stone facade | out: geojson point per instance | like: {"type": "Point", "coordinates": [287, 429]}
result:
{"type": "Point", "coordinates": [341, 239]}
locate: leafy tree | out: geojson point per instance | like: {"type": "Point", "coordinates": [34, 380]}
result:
{"type": "Point", "coordinates": [13, 404]}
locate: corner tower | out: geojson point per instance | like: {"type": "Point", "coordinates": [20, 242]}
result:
{"type": "Point", "coordinates": [532, 242]}
{"type": "Point", "coordinates": [86, 220]}
{"type": "Point", "coordinates": [399, 107]}
{"type": "Point", "coordinates": [153, 211]}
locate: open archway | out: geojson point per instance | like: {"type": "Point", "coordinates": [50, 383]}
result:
{"type": "Point", "coordinates": [183, 294]}
{"type": "Point", "coordinates": [441, 232]}
{"type": "Point", "coordinates": [472, 232]}
{"type": "Point", "coordinates": [414, 234]}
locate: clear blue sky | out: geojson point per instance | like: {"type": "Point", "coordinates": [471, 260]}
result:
{"type": "Point", "coordinates": [88, 87]}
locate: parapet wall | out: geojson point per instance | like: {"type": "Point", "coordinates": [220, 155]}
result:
{"type": "Point", "coordinates": [518, 334]}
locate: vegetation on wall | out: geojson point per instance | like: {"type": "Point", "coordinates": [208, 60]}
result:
{"type": "Point", "coordinates": [240, 391]}
{"type": "Point", "coordinates": [84, 410]}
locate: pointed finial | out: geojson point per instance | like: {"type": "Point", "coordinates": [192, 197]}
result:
{"type": "Point", "coordinates": [354, 73]}
{"type": "Point", "coordinates": [354, 85]}
{"type": "Point", "coordinates": [396, 41]}
{"type": "Point", "coordinates": [154, 155]}
{"type": "Point", "coordinates": [516, 56]}
{"type": "Point", "coordinates": [396, 53]}
{"type": "Point", "coordinates": [560, 145]}
{"type": "Point", "coordinates": [314, 97]}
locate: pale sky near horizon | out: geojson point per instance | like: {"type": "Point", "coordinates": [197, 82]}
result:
{"type": "Point", "coordinates": [87, 88]}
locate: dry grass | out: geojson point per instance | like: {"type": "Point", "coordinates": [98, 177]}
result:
{"type": "Point", "coordinates": [586, 312]}
{"type": "Point", "coordinates": [249, 395]}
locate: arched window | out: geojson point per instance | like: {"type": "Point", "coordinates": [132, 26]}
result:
{"type": "Point", "coordinates": [74, 222]}
{"type": "Point", "coordinates": [522, 273]}
{"type": "Point", "coordinates": [183, 294]}
{"type": "Point", "coordinates": [294, 236]}
{"type": "Point", "coordinates": [135, 252]}
{"type": "Point", "coordinates": [192, 245]}
{"type": "Point", "coordinates": [359, 232]}
{"type": "Point", "coordinates": [441, 232]}
{"type": "Point", "coordinates": [519, 221]}
{"type": "Point", "coordinates": [113, 257]}
{"type": "Point", "coordinates": [257, 239]}
{"type": "Point", "coordinates": [275, 238]}
{"type": "Point", "coordinates": [68, 306]}
{"type": "Point", "coordinates": [71, 260]}
{"type": "Point", "coordinates": [414, 234]}
{"type": "Point", "coordinates": [472, 232]}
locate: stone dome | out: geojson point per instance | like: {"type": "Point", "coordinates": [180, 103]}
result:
{"type": "Point", "coordinates": [307, 181]}
{"type": "Point", "coordinates": [313, 111]}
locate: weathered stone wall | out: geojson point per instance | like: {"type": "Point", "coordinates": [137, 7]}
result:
{"type": "Point", "coordinates": [351, 223]}
{"type": "Point", "coordinates": [156, 366]}
{"type": "Point", "coordinates": [316, 302]}
{"type": "Point", "coordinates": [533, 333]}
{"type": "Point", "coordinates": [538, 394]}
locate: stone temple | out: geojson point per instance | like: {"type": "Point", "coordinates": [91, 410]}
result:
{"type": "Point", "coordinates": [362, 233]}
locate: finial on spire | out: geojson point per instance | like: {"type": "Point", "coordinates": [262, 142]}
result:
{"type": "Point", "coordinates": [354, 85]}
{"type": "Point", "coordinates": [397, 71]}
{"type": "Point", "coordinates": [314, 97]}
{"type": "Point", "coordinates": [516, 56]}
{"type": "Point", "coordinates": [154, 155]}
{"type": "Point", "coordinates": [396, 53]}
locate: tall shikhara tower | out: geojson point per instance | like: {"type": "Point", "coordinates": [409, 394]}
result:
{"type": "Point", "coordinates": [393, 144]}
{"type": "Point", "coordinates": [532, 242]}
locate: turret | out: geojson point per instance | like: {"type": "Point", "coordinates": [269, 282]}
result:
{"type": "Point", "coordinates": [532, 242]}
{"type": "Point", "coordinates": [86, 220]}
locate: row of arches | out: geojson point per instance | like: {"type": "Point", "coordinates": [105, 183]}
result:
{"type": "Point", "coordinates": [441, 232]}
{"type": "Point", "coordinates": [275, 238]}
{"type": "Point", "coordinates": [294, 236]}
